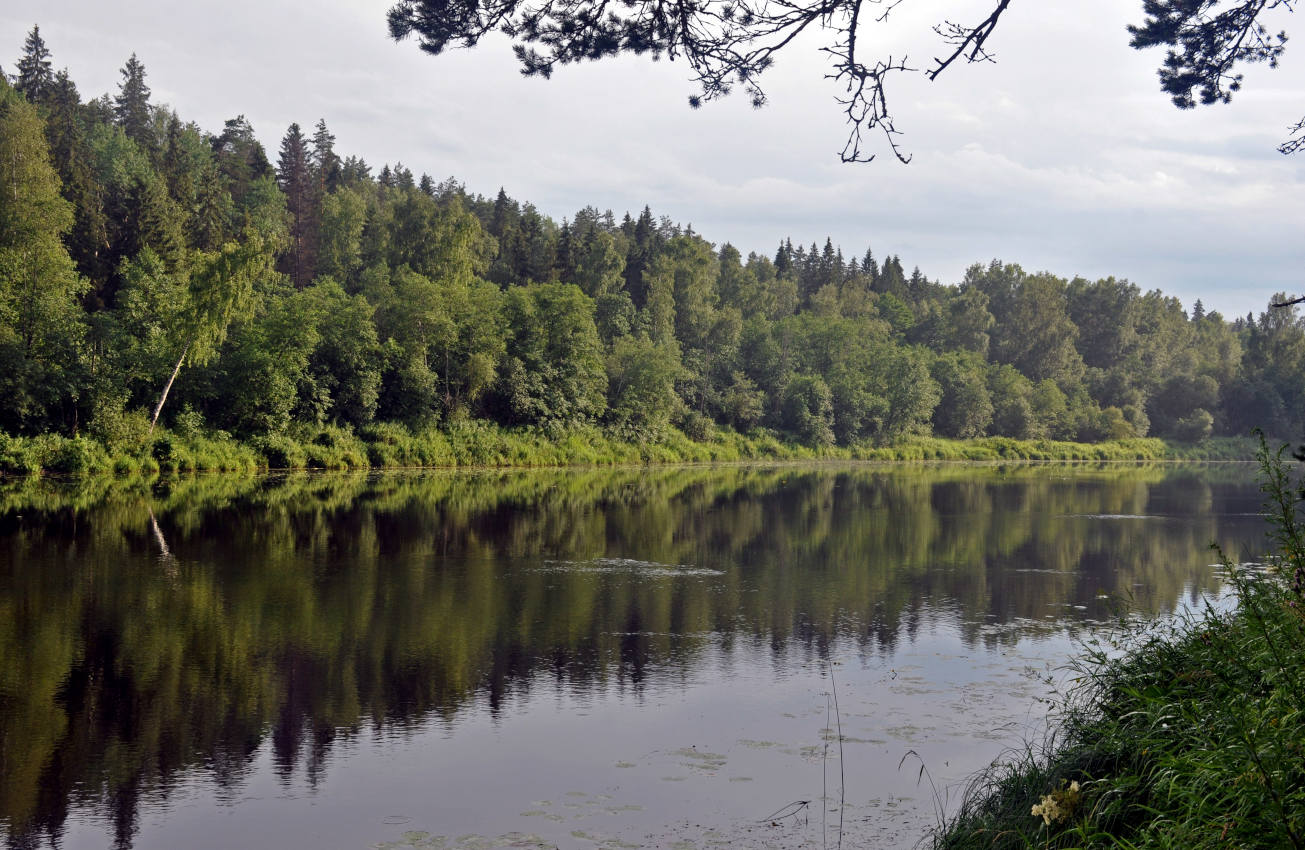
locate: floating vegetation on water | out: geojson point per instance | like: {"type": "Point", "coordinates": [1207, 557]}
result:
{"type": "Point", "coordinates": [425, 841]}
{"type": "Point", "coordinates": [1115, 516]}
{"type": "Point", "coordinates": [631, 566]}
{"type": "Point", "coordinates": [700, 760]}
{"type": "Point", "coordinates": [601, 840]}
{"type": "Point", "coordinates": [758, 745]}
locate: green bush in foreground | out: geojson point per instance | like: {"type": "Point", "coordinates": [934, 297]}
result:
{"type": "Point", "coordinates": [1186, 735]}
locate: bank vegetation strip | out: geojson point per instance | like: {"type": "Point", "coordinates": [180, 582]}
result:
{"type": "Point", "coordinates": [480, 444]}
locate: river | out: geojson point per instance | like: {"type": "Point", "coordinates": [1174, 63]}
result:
{"type": "Point", "coordinates": [680, 657]}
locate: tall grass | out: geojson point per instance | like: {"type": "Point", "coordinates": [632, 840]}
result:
{"type": "Point", "coordinates": [1190, 734]}
{"type": "Point", "coordinates": [475, 443]}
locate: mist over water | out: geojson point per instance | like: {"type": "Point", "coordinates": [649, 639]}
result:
{"type": "Point", "coordinates": [589, 658]}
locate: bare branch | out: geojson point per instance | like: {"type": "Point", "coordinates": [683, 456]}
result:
{"type": "Point", "coordinates": [971, 38]}
{"type": "Point", "coordinates": [1296, 139]}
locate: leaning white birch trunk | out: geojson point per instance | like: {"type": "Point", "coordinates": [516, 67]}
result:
{"type": "Point", "coordinates": [158, 408]}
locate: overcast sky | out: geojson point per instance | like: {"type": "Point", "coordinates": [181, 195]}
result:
{"type": "Point", "coordinates": [1064, 156]}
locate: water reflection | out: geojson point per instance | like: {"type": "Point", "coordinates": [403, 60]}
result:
{"type": "Point", "coordinates": [150, 631]}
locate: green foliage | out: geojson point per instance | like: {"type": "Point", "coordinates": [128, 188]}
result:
{"type": "Point", "coordinates": [345, 366]}
{"type": "Point", "coordinates": [41, 327]}
{"type": "Point", "coordinates": [77, 456]}
{"type": "Point", "coordinates": [1033, 331]}
{"type": "Point", "coordinates": [554, 374]}
{"type": "Point", "coordinates": [118, 429]}
{"type": "Point", "coordinates": [808, 410]}
{"type": "Point", "coordinates": [1194, 427]}
{"type": "Point", "coordinates": [641, 397]}
{"type": "Point", "coordinates": [965, 408]}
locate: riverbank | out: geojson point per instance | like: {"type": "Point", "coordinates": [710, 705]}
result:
{"type": "Point", "coordinates": [1188, 735]}
{"type": "Point", "coordinates": [475, 444]}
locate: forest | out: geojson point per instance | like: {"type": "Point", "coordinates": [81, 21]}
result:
{"type": "Point", "coordinates": [151, 269]}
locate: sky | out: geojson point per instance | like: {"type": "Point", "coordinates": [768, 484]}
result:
{"type": "Point", "coordinates": [1062, 156]}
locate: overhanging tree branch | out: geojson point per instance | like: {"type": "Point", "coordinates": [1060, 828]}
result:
{"type": "Point", "coordinates": [967, 38]}
{"type": "Point", "coordinates": [727, 44]}
{"type": "Point", "coordinates": [1207, 41]}
{"type": "Point", "coordinates": [731, 43]}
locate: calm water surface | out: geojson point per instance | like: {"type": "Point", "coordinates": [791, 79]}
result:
{"type": "Point", "coordinates": [642, 657]}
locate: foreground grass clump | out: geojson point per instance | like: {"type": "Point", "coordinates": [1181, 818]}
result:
{"type": "Point", "coordinates": [1188, 735]}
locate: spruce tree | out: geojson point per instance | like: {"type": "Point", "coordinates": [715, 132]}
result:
{"type": "Point", "coordinates": [213, 213]}
{"type": "Point", "coordinates": [294, 175]}
{"type": "Point", "coordinates": [870, 268]}
{"type": "Point", "coordinates": [325, 160]}
{"type": "Point", "coordinates": [72, 157]}
{"type": "Point", "coordinates": [35, 76]}
{"type": "Point", "coordinates": [240, 157]}
{"type": "Point", "coordinates": [131, 108]}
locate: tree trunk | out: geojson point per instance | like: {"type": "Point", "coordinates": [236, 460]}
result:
{"type": "Point", "coordinates": [158, 408]}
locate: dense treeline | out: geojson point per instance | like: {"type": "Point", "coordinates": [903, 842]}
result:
{"type": "Point", "coordinates": [152, 269]}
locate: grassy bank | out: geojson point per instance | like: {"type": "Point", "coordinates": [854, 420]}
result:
{"type": "Point", "coordinates": [1189, 735]}
{"type": "Point", "coordinates": [479, 444]}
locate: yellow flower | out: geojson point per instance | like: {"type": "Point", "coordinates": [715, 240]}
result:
{"type": "Point", "coordinates": [1048, 809]}
{"type": "Point", "coordinates": [1058, 805]}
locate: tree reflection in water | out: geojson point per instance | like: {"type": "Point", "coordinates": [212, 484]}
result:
{"type": "Point", "coordinates": [150, 629]}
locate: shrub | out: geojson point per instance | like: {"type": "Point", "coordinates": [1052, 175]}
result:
{"type": "Point", "coordinates": [281, 452]}
{"type": "Point", "coordinates": [77, 456]}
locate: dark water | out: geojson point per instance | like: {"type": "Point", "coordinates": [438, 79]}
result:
{"type": "Point", "coordinates": [574, 659]}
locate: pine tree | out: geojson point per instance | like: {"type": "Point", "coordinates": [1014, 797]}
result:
{"type": "Point", "coordinates": [504, 216]}
{"type": "Point", "coordinates": [355, 170]}
{"type": "Point", "coordinates": [35, 76]}
{"type": "Point", "coordinates": [153, 221]}
{"type": "Point", "coordinates": [403, 178]}
{"type": "Point", "coordinates": [175, 167]}
{"type": "Point", "coordinates": [131, 108]}
{"type": "Point", "coordinates": [564, 263]}
{"type": "Point", "coordinates": [213, 214]}
{"type": "Point", "coordinates": [240, 157]}
{"type": "Point", "coordinates": [870, 268]}
{"type": "Point", "coordinates": [71, 157]}
{"type": "Point", "coordinates": [640, 256]}
{"type": "Point", "coordinates": [784, 258]}
{"type": "Point", "coordinates": [294, 174]}
{"type": "Point", "coordinates": [326, 163]}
